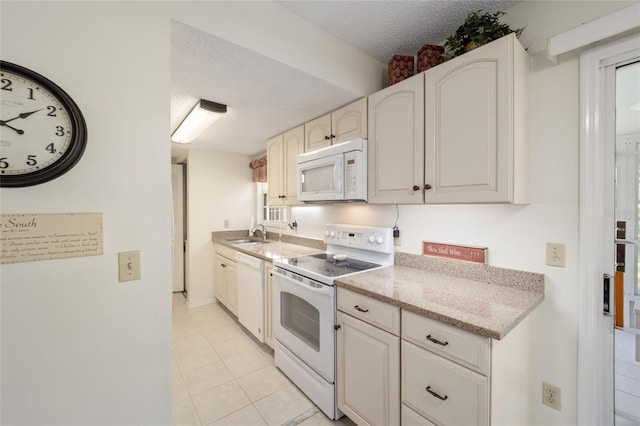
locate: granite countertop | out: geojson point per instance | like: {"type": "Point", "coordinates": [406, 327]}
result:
{"type": "Point", "coordinates": [490, 310]}
{"type": "Point", "coordinates": [274, 249]}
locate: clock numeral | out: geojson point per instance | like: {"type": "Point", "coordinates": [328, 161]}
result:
{"type": "Point", "coordinates": [51, 148]}
{"type": "Point", "coordinates": [59, 131]}
{"type": "Point", "coordinates": [52, 111]}
{"type": "Point", "coordinates": [31, 94]}
{"type": "Point", "coordinates": [6, 84]}
{"type": "Point", "coordinates": [3, 163]}
{"type": "Point", "coordinates": [31, 160]}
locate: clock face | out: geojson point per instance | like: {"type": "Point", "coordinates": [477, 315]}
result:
{"type": "Point", "coordinates": [42, 132]}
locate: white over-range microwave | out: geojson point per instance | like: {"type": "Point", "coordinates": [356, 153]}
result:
{"type": "Point", "coordinates": [337, 173]}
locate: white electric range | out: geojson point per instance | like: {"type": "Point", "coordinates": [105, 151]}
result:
{"type": "Point", "coordinates": [304, 306]}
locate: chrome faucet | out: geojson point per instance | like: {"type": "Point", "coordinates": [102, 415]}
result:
{"type": "Point", "coordinates": [252, 231]}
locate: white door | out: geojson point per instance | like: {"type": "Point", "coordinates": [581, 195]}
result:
{"type": "Point", "coordinates": [177, 185]}
{"type": "Point", "coordinates": [624, 80]}
{"type": "Point", "coordinates": [598, 214]}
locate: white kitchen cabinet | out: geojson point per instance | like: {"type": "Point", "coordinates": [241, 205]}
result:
{"type": "Point", "coordinates": [317, 133]}
{"type": "Point", "coordinates": [281, 166]}
{"type": "Point", "coordinates": [341, 125]}
{"type": "Point", "coordinates": [268, 306]}
{"type": "Point", "coordinates": [451, 376]}
{"type": "Point", "coordinates": [476, 126]}
{"type": "Point", "coordinates": [226, 287]}
{"type": "Point", "coordinates": [368, 361]}
{"type": "Point", "coordinates": [396, 143]}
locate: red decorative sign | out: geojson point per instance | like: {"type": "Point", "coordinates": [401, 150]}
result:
{"type": "Point", "coordinates": [450, 251]}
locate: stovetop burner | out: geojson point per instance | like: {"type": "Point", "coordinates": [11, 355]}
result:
{"type": "Point", "coordinates": [329, 264]}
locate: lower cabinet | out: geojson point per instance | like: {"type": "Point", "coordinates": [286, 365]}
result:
{"type": "Point", "coordinates": [428, 373]}
{"type": "Point", "coordinates": [368, 363]}
{"type": "Point", "coordinates": [268, 307]}
{"type": "Point", "coordinates": [226, 278]}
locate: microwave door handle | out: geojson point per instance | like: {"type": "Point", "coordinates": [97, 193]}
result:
{"type": "Point", "coordinates": [338, 175]}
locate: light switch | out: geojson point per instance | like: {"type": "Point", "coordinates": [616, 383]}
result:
{"type": "Point", "coordinates": [555, 254]}
{"type": "Point", "coordinates": [129, 265]}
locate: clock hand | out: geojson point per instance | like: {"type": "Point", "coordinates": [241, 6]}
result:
{"type": "Point", "coordinates": [23, 115]}
{"type": "Point", "coordinates": [18, 131]}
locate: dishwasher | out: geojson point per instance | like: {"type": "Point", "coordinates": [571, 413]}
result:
{"type": "Point", "coordinates": [251, 294]}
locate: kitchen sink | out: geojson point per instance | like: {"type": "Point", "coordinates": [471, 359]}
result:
{"type": "Point", "coordinates": [243, 241]}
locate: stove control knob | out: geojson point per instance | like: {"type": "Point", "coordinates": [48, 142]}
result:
{"type": "Point", "coordinates": [326, 233]}
{"type": "Point", "coordinates": [380, 240]}
{"type": "Point", "coordinates": [372, 239]}
{"type": "Point", "coordinates": [332, 234]}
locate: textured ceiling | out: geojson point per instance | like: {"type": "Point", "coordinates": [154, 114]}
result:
{"type": "Point", "coordinates": [266, 97]}
{"type": "Point", "coordinates": [382, 29]}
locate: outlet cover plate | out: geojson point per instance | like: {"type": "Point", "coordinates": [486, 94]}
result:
{"type": "Point", "coordinates": [555, 254]}
{"type": "Point", "coordinates": [551, 395]}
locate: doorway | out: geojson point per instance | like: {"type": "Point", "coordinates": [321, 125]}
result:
{"type": "Point", "coordinates": [178, 183]}
{"type": "Point", "coordinates": [625, 80]}
{"type": "Point", "coordinates": [597, 230]}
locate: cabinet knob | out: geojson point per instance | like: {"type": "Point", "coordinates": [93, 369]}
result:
{"type": "Point", "coordinates": [327, 138]}
{"type": "Point", "coordinates": [416, 188]}
{"type": "Point", "coordinates": [427, 187]}
{"type": "Point", "coordinates": [333, 136]}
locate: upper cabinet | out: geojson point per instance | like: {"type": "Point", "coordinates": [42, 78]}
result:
{"type": "Point", "coordinates": [396, 143]}
{"type": "Point", "coordinates": [281, 166]}
{"type": "Point", "coordinates": [350, 121]}
{"type": "Point", "coordinates": [346, 123]}
{"type": "Point", "coordinates": [476, 126]}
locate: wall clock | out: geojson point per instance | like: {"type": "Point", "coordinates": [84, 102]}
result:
{"type": "Point", "coordinates": [42, 131]}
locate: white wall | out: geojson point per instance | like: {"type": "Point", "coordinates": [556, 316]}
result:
{"type": "Point", "coordinates": [219, 188]}
{"type": "Point", "coordinates": [78, 347]}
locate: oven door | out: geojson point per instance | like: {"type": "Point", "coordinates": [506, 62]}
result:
{"type": "Point", "coordinates": [303, 321]}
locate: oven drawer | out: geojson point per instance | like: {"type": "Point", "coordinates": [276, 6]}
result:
{"type": "Point", "coordinates": [441, 390]}
{"type": "Point", "coordinates": [375, 312]}
{"type": "Point", "coordinates": [463, 347]}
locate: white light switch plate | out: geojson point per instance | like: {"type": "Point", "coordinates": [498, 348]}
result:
{"type": "Point", "coordinates": [555, 254]}
{"type": "Point", "coordinates": [129, 266]}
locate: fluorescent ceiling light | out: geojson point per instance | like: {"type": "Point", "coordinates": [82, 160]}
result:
{"type": "Point", "coordinates": [198, 120]}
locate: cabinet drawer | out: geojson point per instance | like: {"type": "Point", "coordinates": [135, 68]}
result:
{"type": "Point", "coordinates": [463, 347]}
{"type": "Point", "coordinates": [225, 251]}
{"type": "Point", "coordinates": [375, 312]}
{"type": "Point", "coordinates": [411, 418]}
{"type": "Point", "coordinates": [441, 390]}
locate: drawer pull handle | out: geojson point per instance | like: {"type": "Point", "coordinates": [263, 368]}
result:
{"type": "Point", "coordinates": [436, 341]}
{"type": "Point", "coordinates": [358, 308]}
{"type": "Point", "coordinates": [442, 398]}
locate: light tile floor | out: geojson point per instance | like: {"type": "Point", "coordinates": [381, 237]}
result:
{"type": "Point", "coordinates": [222, 376]}
{"type": "Point", "coordinates": [627, 380]}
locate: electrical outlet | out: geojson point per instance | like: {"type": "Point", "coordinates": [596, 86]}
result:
{"type": "Point", "coordinates": [551, 395]}
{"type": "Point", "coordinates": [555, 254]}
{"type": "Point", "coordinates": [226, 223]}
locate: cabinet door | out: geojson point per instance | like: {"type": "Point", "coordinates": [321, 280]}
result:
{"type": "Point", "coordinates": [268, 314]}
{"type": "Point", "coordinates": [469, 126]}
{"type": "Point", "coordinates": [275, 171]}
{"type": "Point", "coordinates": [368, 372]}
{"type": "Point", "coordinates": [317, 133]}
{"type": "Point", "coordinates": [350, 121]}
{"type": "Point", "coordinates": [293, 145]}
{"type": "Point", "coordinates": [396, 143]}
{"type": "Point", "coordinates": [221, 279]}
{"type": "Point", "coordinates": [232, 287]}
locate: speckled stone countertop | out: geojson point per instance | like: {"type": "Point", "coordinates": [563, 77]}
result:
{"type": "Point", "coordinates": [477, 305]}
{"type": "Point", "coordinates": [275, 249]}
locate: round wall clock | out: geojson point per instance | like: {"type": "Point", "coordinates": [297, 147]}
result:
{"type": "Point", "coordinates": [42, 131]}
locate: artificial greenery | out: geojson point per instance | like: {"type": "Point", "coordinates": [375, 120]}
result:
{"type": "Point", "coordinates": [478, 29]}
